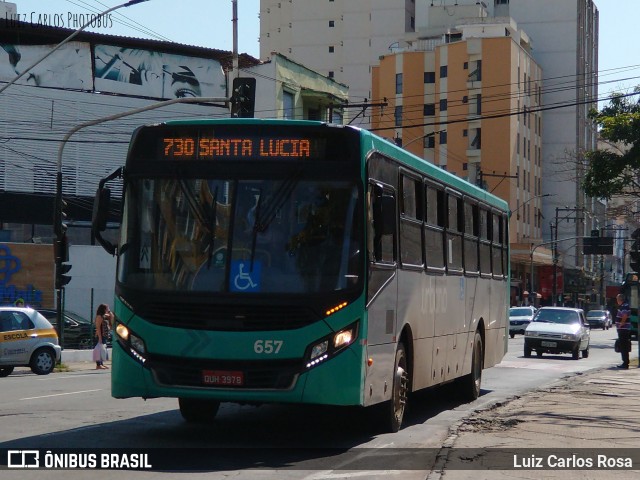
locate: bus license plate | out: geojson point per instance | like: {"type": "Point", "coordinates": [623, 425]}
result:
{"type": "Point", "coordinates": [549, 344]}
{"type": "Point", "coordinates": [222, 378]}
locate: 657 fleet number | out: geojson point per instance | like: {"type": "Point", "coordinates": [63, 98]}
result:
{"type": "Point", "coordinates": [267, 347]}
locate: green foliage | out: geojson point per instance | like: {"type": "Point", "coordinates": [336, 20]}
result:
{"type": "Point", "coordinates": [616, 172]}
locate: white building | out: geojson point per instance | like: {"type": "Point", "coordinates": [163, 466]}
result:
{"type": "Point", "coordinates": [340, 39]}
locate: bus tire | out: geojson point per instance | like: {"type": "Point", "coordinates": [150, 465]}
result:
{"type": "Point", "coordinates": [196, 410]}
{"type": "Point", "coordinates": [469, 385]}
{"type": "Point", "coordinates": [393, 412]}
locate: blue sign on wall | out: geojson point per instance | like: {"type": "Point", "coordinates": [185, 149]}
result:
{"type": "Point", "coordinates": [9, 265]}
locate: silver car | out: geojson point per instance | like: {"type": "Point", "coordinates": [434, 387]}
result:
{"type": "Point", "coordinates": [599, 319]}
{"type": "Point", "coordinates": [519, 319]}
{"type": "Point", "coordinates": [558, 330]}
{"type": "Point", "coordinates": [27, 339]}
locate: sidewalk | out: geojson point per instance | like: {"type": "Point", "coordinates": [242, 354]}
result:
{"type": "Point", "coordinates": [73, 360]}
{"type": "Point", "coordinates": [577, 417]}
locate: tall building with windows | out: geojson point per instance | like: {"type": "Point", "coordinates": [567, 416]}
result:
{"type": "Point", "coordinates": [340, 39]}
{"type": "Point", "coordinates": [467, 98]}
{"type": "Point", "coordinates": [565, 45]}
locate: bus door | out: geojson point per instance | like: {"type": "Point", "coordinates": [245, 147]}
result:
{"type": "Point", "coordinates": [382, 290]}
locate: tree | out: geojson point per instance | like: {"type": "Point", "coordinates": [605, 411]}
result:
{"type": "Point", "coordinates": [615, 171]}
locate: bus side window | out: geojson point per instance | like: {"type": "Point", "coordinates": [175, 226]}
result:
{"type": "Point", "coordinates": [485, 243]}
{"type": "Point", "coordinates": [411, 216]}
{"type": "Point", "coordinates": [471, 229]}
{"type": "Point", "coordinates": [384, 225]}
{"type": "Point", "coordinates": [496, 248]}
{"type": "Point", "coordinates": [434, 228]}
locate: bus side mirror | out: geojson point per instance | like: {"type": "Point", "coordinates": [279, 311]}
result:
{"type": "Point", "coordinates": [100, 214]}
{"type": "Point", "coordinates": [101, 206]}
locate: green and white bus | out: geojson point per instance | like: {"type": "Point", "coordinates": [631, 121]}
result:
{"type": "Point", "coordinates": [302, 262]}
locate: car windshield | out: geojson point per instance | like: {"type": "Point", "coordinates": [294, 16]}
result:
{"type": "Point", "coordinates": [596, 313]}
{"type": "Point", "coordinates": [76, 317]}
{"type": "Point", "coordinates": [520, 312]}
{"type": "Point", "coordinates": [565, 317]}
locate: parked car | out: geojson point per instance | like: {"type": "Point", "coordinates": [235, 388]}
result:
{"type": "Point", "coordinates": [600, 319]}
{"type": "Point", "coordinates": [558, 330]}
{"type": "Point", "coordinates": [78, 331]}
{"type": "Point", "coordinates": [27, 339]}
{"type": "Point", "coordinates": [519, 319]}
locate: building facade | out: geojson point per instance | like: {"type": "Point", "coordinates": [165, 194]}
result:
{"type": "Point", "coordinates": [467, 98]}
{"type": "Point", "coordinates": [340, 39]}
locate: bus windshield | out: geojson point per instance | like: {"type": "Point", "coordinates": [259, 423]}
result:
{"type": "Point", "coordinates": [241, 235]}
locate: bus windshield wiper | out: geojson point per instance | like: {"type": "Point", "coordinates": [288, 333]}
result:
{"type": "Point", "coordinates": [279, 198]}
{"type": "Point", "coordinates": [261, 223]}
{"type": "Point", "coordinates": [212, 227]}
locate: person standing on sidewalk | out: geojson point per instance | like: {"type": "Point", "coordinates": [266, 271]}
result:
{"type": "Point", "coordinates": [623, 326]}
{"type": "Point", "coordinates": [102, 322]}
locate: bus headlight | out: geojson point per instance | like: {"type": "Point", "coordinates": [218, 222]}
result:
{"type": "Point", "coordinates": [331, 345]}
{"type": "Point", "coordinates": [131, 343]}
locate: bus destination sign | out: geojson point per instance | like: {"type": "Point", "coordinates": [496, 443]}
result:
{"type": "Point", "coordinates": [237, 148]}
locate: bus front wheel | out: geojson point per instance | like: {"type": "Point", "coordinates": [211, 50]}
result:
{"type": "Point", "coordinates": [198, 410]}
{"type": "Point", "coordinates": [394, 411]}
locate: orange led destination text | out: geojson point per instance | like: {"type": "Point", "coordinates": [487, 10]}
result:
{"type": "Point", "coordinates": [236, 147]}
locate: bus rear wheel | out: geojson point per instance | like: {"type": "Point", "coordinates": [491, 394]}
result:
{"type": "Point", "coordinates": [196, 410]}
{"type": "Point", "coordinates": [469, 385]}
{"type": "Point", "coordinates": [395, 408]}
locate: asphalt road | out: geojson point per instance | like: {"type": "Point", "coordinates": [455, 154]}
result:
{"type": "Point", "coordinates": [75, 410]}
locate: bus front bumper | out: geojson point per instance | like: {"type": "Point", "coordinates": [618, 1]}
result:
{"type": "Point", "coordinates": [335, 382]}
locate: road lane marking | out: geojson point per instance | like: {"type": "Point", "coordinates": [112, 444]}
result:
{"type": "Point", "coordinates": [61, 394]}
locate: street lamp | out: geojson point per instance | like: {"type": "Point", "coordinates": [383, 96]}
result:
{"type": "Point", "coordinates": [68, 39]}
{"type": "Point", "coordinates": [527, 201]}
{"type": "Point", "coordinates": [555, 247]}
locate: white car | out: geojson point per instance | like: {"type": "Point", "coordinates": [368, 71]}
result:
{"type": "Point", "coordinates": [27, 339]}
{"type": "Point", "coordinates": [519, 319]}
{"type": "Point", "coordinates": [558, 330]}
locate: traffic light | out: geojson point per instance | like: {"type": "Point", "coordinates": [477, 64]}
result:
{"type": "Point", "coordinates": [243, 97]}
{"type": "Point", "coordinates": [635, 256]}
{"type": "Point", "coordinates": [60, 216]}
{"type": "Point", "coordinates": [61, 254]}
{"type": "Point", "coordinates": [61, 278]}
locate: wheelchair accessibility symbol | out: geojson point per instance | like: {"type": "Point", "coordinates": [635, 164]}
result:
{"type": "Point", "coordinates": [243, 279]}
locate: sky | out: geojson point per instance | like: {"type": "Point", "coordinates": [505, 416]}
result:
{"type": "Point", "coordinates": [207, 23]}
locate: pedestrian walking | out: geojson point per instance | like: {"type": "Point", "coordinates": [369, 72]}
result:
{"type": "Point", "coordinates": [623, 325]}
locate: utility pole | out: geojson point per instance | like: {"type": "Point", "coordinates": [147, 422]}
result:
{"type": "Point", "coordinates": [555, 250]}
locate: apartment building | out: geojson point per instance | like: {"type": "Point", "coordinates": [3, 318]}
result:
{"type": "Point", "coordinates": [467, 98]}
{"type": "Point", "coordinates": [565, 45]}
